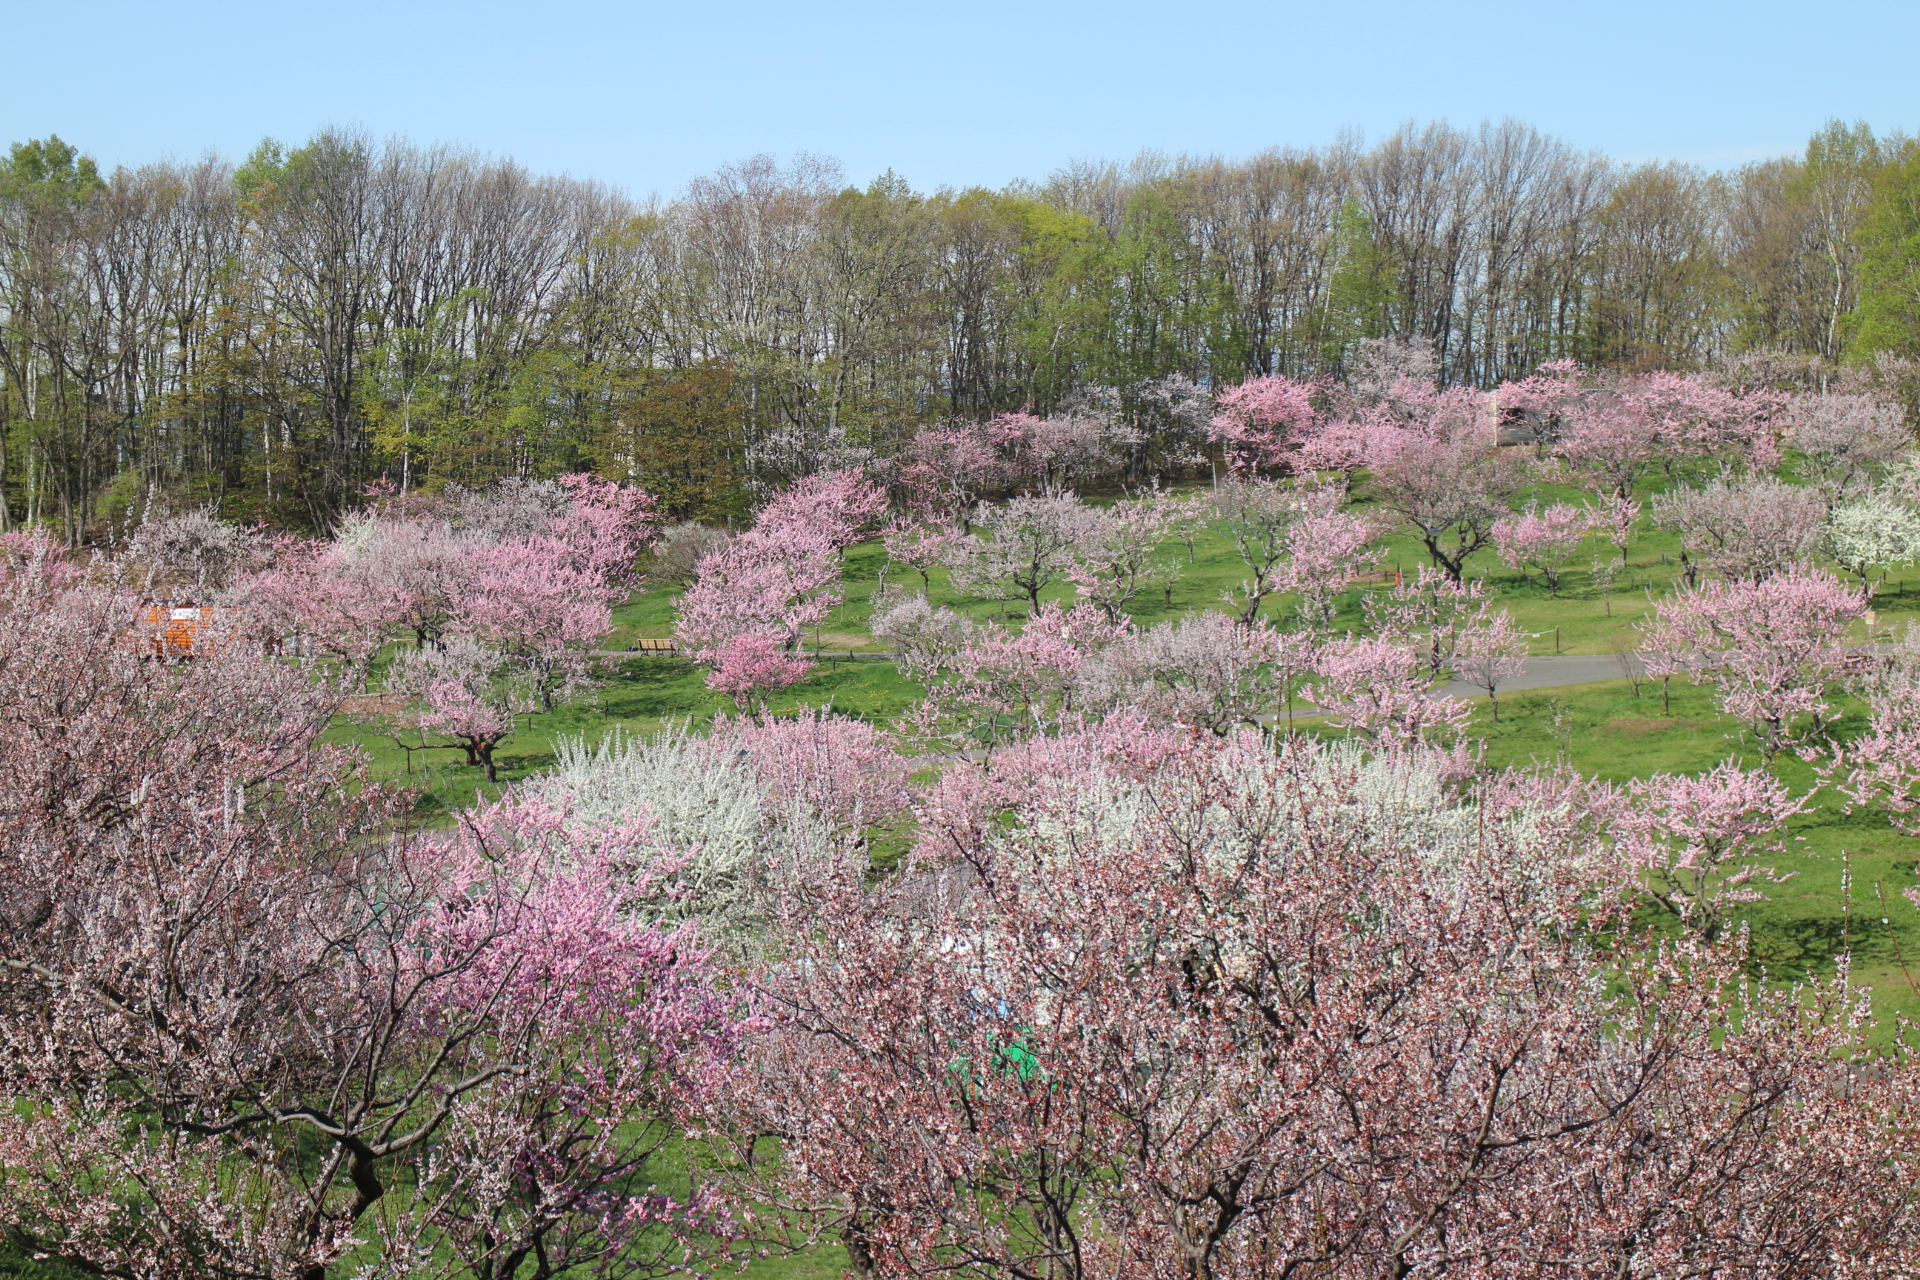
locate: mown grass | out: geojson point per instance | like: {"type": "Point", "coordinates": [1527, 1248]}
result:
{"type": "Point", "coordinates": [1807, 923]}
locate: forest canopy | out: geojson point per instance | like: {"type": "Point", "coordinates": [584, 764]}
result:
{"type": "Point", "coordinates": [269, 337]}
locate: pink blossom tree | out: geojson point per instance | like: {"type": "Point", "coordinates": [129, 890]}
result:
{"type": "Point", "coordinates": [847, 774]}
{"type": "Point", "coordinates": [1429, 613]}
{"type": "Point", "coordinates": [543, 612]}
{"type": "Point", "coordinates": [1543, 539]}
{"type": "Point", "coordinates": [1115, 561]}
{"type": "Point", "coordinates": [1051, 456]}
{"type": "Point", "coordinates": [1444, 473]}
{"type": "Point", "coordinates": [1263, 421]}
{"type": "Point", "coordinates": [1770, 649]}
{"type": "Point", "coordinates": [1381, 690]}
{"type": "Point", "coordinates": [31, 553]}
{"type": "Point", "coordinates": [948, 470]}
{"type": "Point", "coordinates": [1024, 546]}
{"type": "Point", "coordinates": [750, 665]}
{"type": "Point", "coordinates": [1205, 671]}
{"type": "Point", "coordinates": [756, 595]}
{"type": "Point", "coordinates": [920, 545]}
{"type": "Point", "coordinates": [999, 685]}
{"type": "Point", "coordinates": [776, 582]}
{"type": "Point", "coordinates": [1107, 1026]}
{"type": "Point", "coordinates": [1744, 530]}
{"type": "Point", "coordinates": [838, 506]}
{"type": "Point", "coordinates": [533, 570]}
{"type": "Point", "coordinates": [1692, 840]}
{"type": "Point", "coordinates": [460, 695]}
{"type": "Point", "coordinates": [1618, 518]}
{"type": "Point", "coordinates": [1325, 551]}
{"type": "Point", "coordinates": [1260, 517]}
{"type": "Point", "coordinates": [1881, 768]}
{"type": "Point", "coordinates": [1613, 433]}
{"type": "Point", "coordinates": [237, 1011]}
{"type": "Point", "coordinates": [1846, 442]}
{"type": "Point", "coordinates": [1489, 654]}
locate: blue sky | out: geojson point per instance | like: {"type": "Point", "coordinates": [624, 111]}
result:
{"type": "Point", "coordinates": [646, 95]}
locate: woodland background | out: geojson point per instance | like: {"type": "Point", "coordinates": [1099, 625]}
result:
{"type": "Point", "coordinates": [269, 337]}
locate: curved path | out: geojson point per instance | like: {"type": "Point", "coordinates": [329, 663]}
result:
{"type": "Point", "coordinates": [1545, 672]}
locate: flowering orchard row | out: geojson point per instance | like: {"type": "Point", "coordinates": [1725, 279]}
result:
{"type": "Point", "coordinates": [1157, 989]}
{"type": "Point", "coordinates": [1143, 998]}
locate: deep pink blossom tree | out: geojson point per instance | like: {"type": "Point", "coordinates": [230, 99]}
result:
{"type": "Point", "coordinates": [1263, 421]}
{"type": "Point", "coordinates": [32, 553]}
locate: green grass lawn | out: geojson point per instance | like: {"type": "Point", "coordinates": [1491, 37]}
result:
{"type": "Point", "coordinates": [1806, 923]}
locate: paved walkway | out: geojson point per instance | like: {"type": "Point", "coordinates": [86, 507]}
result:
{"type": "Point", "coordinates": [1546, 672]}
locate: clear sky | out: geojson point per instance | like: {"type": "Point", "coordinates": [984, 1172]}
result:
{"type": "Point", "coordinates": [646, 95]}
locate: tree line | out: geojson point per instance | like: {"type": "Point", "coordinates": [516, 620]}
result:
{"type": "Point", "coordinates": [269, 337]}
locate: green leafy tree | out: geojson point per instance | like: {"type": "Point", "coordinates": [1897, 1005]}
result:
{"type": "Point", "coordinates": [1888, 318]}
{"type": "Point", "coordinates": [51, 421]}
{"type": "Point", "coordinates": [677, 434]}
{"type": "Point", "coordinates": [1360, 295]}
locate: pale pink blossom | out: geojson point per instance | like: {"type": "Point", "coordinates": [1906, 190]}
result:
{"type": "Point", "coordinates": [1769, 649]}
{"type": "Point", "coordinates": [1206, 1007]}
{"type": "Point", "coordinates": [1690, 841]}
{"type": "Point", "coordinates": [1544, 539]}
{"type": "Point", "coordinates": [1744, 529]}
